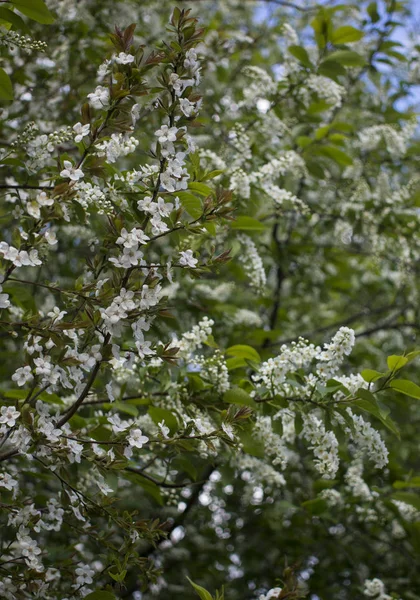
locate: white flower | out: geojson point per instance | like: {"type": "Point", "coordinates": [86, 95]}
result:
{"type": "Point", "coordinates": [84, 575]}
{"type": "Point", "coordinates": [71, 172]}
{"type": "Point", "coordinates": [22, 375]}
{"type": "Point", "coordinates": [187, 259]}
{"type": "Point", "coordinates": [99, 98]}
{"type": "Point", "coordinates": [4, 299]}
{"type": "Point", "coordinates": [81, 131]}
{"type": "Point", "coordinates": [56, 314]}
{"type": "Point", "coordinates": [33, 210]}
{"type": "Point", "coordinates": [190, 61]}
{"type": "Point", "coordinates": [51, 237]}
{"type": "Point", "coordinates": [272, 594]}
{"type": "Point", "coordinates": [8, 482]}
{"type": "Point", "coordinates": [137, 439]}
{"type": "Point", "coordinates": [164, 429]}
{"type": "Point", "coordinates": [158, 226]}
{"type": "Point", "coordinates": [124, 59]}
{"type": "Point", "coordinates": [194, 339]}
{"type": "Point", "coordinates": [29, 548]}
{"type": "Point", "coordinates": [187, 107]}
{"type": "Point", "coordinates": [43, 199]}
{"type": "Point", "coordinates": [374, 587]}
{"type": "Point", "coordinates": [143, 347]}
{"type": "Point", "coordinates": [117, 424]}
{"type": "Point", "coordinates": [43, 365]}
{"type": "Point", "coordinates": [9, 415]}
{"type": "Point", "coordinates": [252, 262]}
{"type": "Point", "coordinates": [132, 239]}
{"type": "Point", "coordinates": [164, 208]}
{"type": "Point", "coordinates": [166, 134]}
{"type": "Point", "coordinates": [110, 392]}
{"type": "Point", "coordinates": [228, 429]}
{"type": "Point", "coordinates": [104, 69]}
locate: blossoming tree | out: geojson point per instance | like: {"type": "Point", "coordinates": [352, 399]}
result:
{"type": "Point", "coordinates": [209, 301]}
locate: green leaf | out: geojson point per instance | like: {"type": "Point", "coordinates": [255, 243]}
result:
{"type": "Point", "coordinates": [367, 402]}
{"type": "Point", "coordinates": [149, 487]}
{"type": "Point", "coordinates": [119, 577]}
{"type": "Point", "coordinates": [242, 351]}
{"type": "Point", "coordinates": [406, 387]}
{"type": "Point", "coordinates": [346, 35]}
{"type": "Point", "coordinates": [6, 89]}
{"type": "Point", "coordinates": [340, 157]}
{"type": "Point", "coordinates": [408, 498]}
{"type": "Point", "coordinates": [300, 53]}
{"type": "Point", "coordinates": [200, 188]}
{"type": "Point", "coordinates": [100, 595]}
{"type": "Point", "coordinates": [317, 107]}
{"type": "Point", "coordinates": [203, 593]}
{"type": "Point", "coordinates": [236, 363]}
{"type": "Point", "coordinates": [163, 414]}
{"type": "Point", "coordinates": [34, 9]}
{"type": "Point", "coordinates": [303, 141]}
{"type": "Point", "coordinates": [237, 395]}
{"type": "Point", "coordinates": [128, 409]}
{"type": "Point", "coordinates": [251, 445]}
{"type": "Point", "coordinates": [180, 462]}
{"type": "Point", "coordinates": [372, 10]}
{"type": "Point", "coordinates": [412, 355]}
{"type": "Point", "coordinates": [342, 126]}
{"type": "Point", "coordinates": [322, 132]}
{"type": "Point", "coordinates": [196, 382]}
{"type": "Point", "coordinates": [348, 58]}
{"type": "Point", "coordinates": [191, 203]}
{"type": "Point", "coordinates": [316, 506]}
{"type": "Point", "coordinates": [331, 69]}
{"type": "Point", "coordinates": [8, 16]}
{"type": "Point", "coordinates": [211, 342]}
{"type": "Point", "coordinates": [371, 375]}
{"type": "Point", "coordinates": [15, 394]}
{"type": "Point", "coordinates": [395, 362]}
{"type": "Point", "coordinates": [411, 483]}
{"type": "Point", "coordinates": [212, 174]}
{"type": "Point", "coordinates": [248, 224]}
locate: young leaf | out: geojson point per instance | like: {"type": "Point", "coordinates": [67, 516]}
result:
{"type": "Point", "coordinates": [346, 35]}
{"type": "Point", "coordinates": [242, 351]}
{"type": "Point", "coordinates": [396, 362]}
{"type": "Point", "coordinates": [348, 58]}
{"type": "Point", "coordinates": [406, 387]}
{"type": "Point", "coordinates": [371, 376]}
{"type": "Point", "coordinates": [200, 188]}
{"type": "Point", "coordinates": [300, 53]}
{"type": "Point", "coordinates": [203, 593]}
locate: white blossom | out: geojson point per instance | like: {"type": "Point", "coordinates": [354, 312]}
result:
{"type": "Point", "coordinates": [9, 415]}
{"type": "Point", "coordinates": [187, 259]}
{"type": "Point", "coordinates": [99, 98]}
{"type": "Point", "coordinates": [70, 172]}
{"type": "Point", "coordinates": [22, 375]}
{"type": "Point", "coordinates": [137, 439]}
{"type": "Point", "coordinates": [81, 131]}
{"type": "Point", "coordinates": [124, 59]}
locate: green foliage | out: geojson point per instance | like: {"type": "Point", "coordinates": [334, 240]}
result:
{"type": "Point", "coordinates": [6, 90]}
{"type": "Point", "coordinates": [34, 9]}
